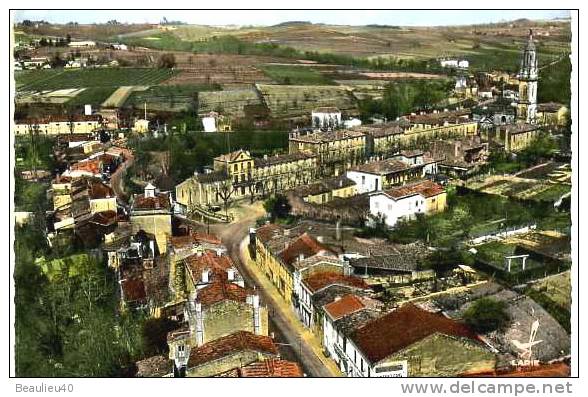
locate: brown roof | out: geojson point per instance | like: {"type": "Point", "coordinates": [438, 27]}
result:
{"type": "Point", "coordinates": [194, 238]}
{"type": "Point", "coordinates": [266, 232]}
{"type": "Point", "coordinates": [221, 291]}
{"type": "Point", "coordinates": [382, 167]}
{"type": "Point", "coordinates": [281, 159]}
{"type": "Point", "coordinates": [59, 119]}
{"type": "Point", "coordinates": [218, 265]}
{"type": "Point", "coordinates": [326, 109]}
{"type": "Point", "coordinates": [303, 245]}
{"type": "Point", "coordinates": [133, 290]}
{"type": "Point", "coordinates": [329, 136]}
{"type": "Point", "coordinates": [272, 368]}
{"type": "Point", "coordinates": [401, 328]}
{"type": "Point", "coordinates": [342, 307]}
{"type": "Point", "coordinates": [550, 107]}
{"type": "Point", "coordinates": [425, 188]}
{"type": "Point", "coordinates": [94, 166]}
{"type": "Point", "coordinates": [231, 156]}
{"type": "Point", "coordinates": [154, 367]}
{"type": "Point", "coordinates": [104, 218]}
{"type": "Point", "coordinates": [230, 344]}
{"type": "Point", "coordinates": [160, 201]}
{"type": "Point", "coordinates": [318, 281]}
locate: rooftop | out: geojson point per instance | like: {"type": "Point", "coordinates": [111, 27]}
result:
{"type": "Point", "coordinates": [233, 156]}
{"type": "Point", "coordinates": [272, 368]}
{"type": "Point", "coordinates": [221, 291]}
{"type": "Point", "coordinates": [154, 367]}
{"type": "Point", "coordinates": [550, 107]}
{"type": "Point", "coordinates": [401, 328]}
{"type": "Point", "coordinates": [305, 245]}
{"type": "Point", "coordinates": [328, 136]}
{"type": "Point", "coordinates": [382, 167]}
{"type": "Point", "coordinates": [326, 109]}
{"type": "Point", "coordinates": [267, 161]}
{"type": "Point", "coordinates": [230, 344]}
{"type": "Point", "coordinates": [324, 186]}
{"type": "Point", "coordinates": [211, 261]}
{"type": "Point", "coordinates": [318, 281]}
{"type": "Point", "coordinates": [343, 306]}
{"type": "Point", "coordinates": [160, 201]}
{"type": "Point", "coordinates": [425, 188]}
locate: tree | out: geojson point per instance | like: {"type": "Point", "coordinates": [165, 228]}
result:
{"type": "Point", "coordinates": [166, 61]}
{"type": "Point", "coordinates": [486, 315]}
{"type": "Point", "coordinates": [154, 335]}
{"type": "Point", "coordinates": [278, 207]}
{"type": "Point", "coordinates": [225, 190]}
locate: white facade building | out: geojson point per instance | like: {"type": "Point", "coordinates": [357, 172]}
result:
{"type": "Point", "coordinates": [395, 209]}
{"type": "Point", "coordinates": [326, 118]}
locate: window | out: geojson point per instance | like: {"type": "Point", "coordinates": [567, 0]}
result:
{"type": "Point", "coordinates": [363, 179]}
{"type": "Point", "coordinates": [236, 167]}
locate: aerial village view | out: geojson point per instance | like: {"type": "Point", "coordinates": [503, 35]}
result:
{"type": "Point", "coordinates": [304, 198]}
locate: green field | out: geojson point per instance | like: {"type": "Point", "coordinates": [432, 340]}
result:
{"type": "Point", "coordinates": [92, 96]}
{"type": "Point", "coordinates": [37, 80]}
{"type": "Point", "coordinates": [298, 75]}
{"type": "Point", "coordinates": [172, 98]}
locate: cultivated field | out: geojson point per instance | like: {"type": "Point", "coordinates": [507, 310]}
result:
{"type": "Point", "coordinates": [294, 101]}
{"type": "Point", "coordinates": [120, 95]}
{"type": "Point", "coordinates": [557, 287]}
{"type": "Point", "coordinates": [521, 188]}
{"type": "Point", "coordinates": [227, 102]}
{"type": "Point", "coordinates": [38, 80]}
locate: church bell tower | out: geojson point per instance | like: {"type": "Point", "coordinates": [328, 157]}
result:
{"type": "Point", "coordinates": [528, 76]}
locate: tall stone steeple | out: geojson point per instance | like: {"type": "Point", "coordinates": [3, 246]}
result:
{"type": "Point", "coordinates": [528, 76]}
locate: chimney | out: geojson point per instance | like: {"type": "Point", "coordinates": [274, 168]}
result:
{"type": "Point", "coordinates": [256, 315]}
{"type": "Point", "coordinates": [338, 230]}
{"type": "Point", "coordinates": [320, 239]}
{"type": "Point", "coordinates": [231, 274]}
{"type": "Point", "coordinates": [219, 252]}
{"type": "Point", "coordinates": [337, 298]}
{"type": "Point", "coordinates": [205, 274]}
{"type": "Point", "coordinates": [300, 257]}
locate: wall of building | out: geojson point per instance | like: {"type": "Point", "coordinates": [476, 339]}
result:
{"type": "Point", "coordinates": [157, 224]}
{"type": "Point", "coordinates": [445, 356]}
{"type": "Point", "coordinates": [101, 205]}
{"type": "Point", "coordinates": [227, 317]}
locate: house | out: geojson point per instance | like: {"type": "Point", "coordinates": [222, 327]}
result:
{"type": "Point", "coordinates": [237, 175]}
{"type": "Point", "coordinates": [309, 314]}
{"type": "Point", "coordinates": [326, 118]}
{"type": "Point", "coordinates": [460, 156]}
{"type": "Point", "coordinates": [516, 137]}
{"type": "Point", "coordinates": [411, 341]}
{"type": "Point", "coordinates": [271, 368]}
{"type": "Point", "coordinates": [401, 168]}
{"type": "Point", "coordinates": [221, 355]}
{"type": "Point", "coordinates": [404, 202]}
{"type": "Point", "coordinates": [287, 259]}
{"type": "Point", "coordinates": [384, 138]}
{"type": "Point", "coordinates": [336, 150]}
{"type": "Point", "coordinates": [141, 126]}
{"type": "Point", "coordinates": [553, 114]}
{"type": "Point", "coordinates": [57, 125]}
{"type": "Point", "coordinates": [151, 212]}
{"type": "Point", "coordinates": [217, 310]}
{"type": "Point", "coordinates": [326, 190]}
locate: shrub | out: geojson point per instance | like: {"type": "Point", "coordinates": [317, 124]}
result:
{"type": "Point", "coordinates": [486, 315]}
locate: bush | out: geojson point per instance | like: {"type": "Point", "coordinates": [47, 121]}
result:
{"type": "Point", "coordinates": [486, 315]}
{"type": "Point", "coordinates": [166, 61]}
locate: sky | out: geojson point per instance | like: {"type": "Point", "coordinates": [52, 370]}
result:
{"type": "Point", "coordinates": [267, 17]}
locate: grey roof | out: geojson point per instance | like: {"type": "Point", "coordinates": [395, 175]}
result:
{"type": "Point", "coordinates": [215, 176]}
{"type": "Point", "coordinates": [324, 186]}
{"type": "Point", "coordinates": [328, 294]}
{"type": "Point", "coordinates": [395, 262]}
{"type": "Point", "coordinates": [353, 321]}
{"type": "Point", "coordinates": [281, 159]}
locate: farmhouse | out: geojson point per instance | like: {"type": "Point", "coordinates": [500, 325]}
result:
{"type": "Point", "coordinates": [404, 202]}
{"type": "Point", "coordinates": [410, 341]}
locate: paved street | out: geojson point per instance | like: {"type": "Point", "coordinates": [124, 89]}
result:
{"type": "Point", "coordinates": [302, 342]}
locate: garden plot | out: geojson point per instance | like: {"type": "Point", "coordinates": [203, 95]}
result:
{"type": "Point", "coordinates": [494, 254]}
{"type": "Point", "coordinates": [522, 188]}
{"type": "Point", "coordinates": [119, 97]}
{"type": "Point", "coordinates": [40, 80]}
{"type": "Point", "coordinates": [299, 100]}
{"type": "Point", "coordinates": [550, 171]}
{"type": "Point", "coordinates": [557, 287]}
{"type": "Point", "coordinates": [51, 96]}
{"type": "Point", "coordinates": [227, 102]}
{"type": "Point", "coordinates": [168, 98]}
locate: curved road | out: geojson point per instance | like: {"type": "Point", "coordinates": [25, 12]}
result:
{"type": "Point", "coordinates": [232, 235]}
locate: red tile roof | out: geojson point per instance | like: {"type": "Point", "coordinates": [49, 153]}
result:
{"type": "Point", "coordinates": [320, 280]}
{"type": "Point", "coordinates": [231, 344]}
{"type": "Point", "coordinates": [344, 306]}
{"type": "Point", "coordinates": [104, 218]}
{"type": "Point", "coordinates": [221, 291]}
{"type": "Point", "coordinates": [425, 188]}
{"type": "Point", "coordinates": [133, 290]}
{"type": "Point", "coordinates": [272, 368]}
{"type": "Point", "coordinates": [206, 238]}
{"type": "Point", "coordinates": [303, 245]}
{"type": "Point", "coordinates": [94, 166]}
{"type": "Point", "coordinates": [160, 201]}
{"type": "Point", "coordinates": [218, 265]}
{"type": "Point", "coordinates": [401, 328]}
{"type": "Point", "coordinates": [266, 232]}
